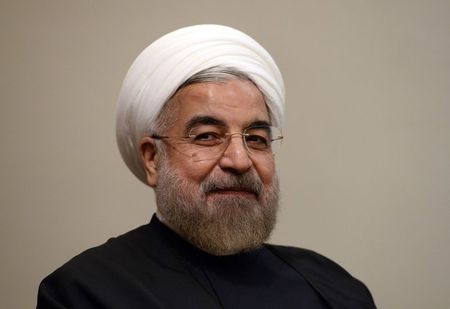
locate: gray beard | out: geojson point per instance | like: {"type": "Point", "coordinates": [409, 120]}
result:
{"type": "Point", "coordinates": [217, 224]}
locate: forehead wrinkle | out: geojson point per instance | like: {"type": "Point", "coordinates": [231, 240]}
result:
{"type": "Point", "coordinates": [230, 104]}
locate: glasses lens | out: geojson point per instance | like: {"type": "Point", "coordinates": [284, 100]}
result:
{"type": "Point", "coordinates": [206, 142]}
{"type": "Point", "coordinates": [263, 140]}
{"type": "Point", "coordinates": [199, 153]}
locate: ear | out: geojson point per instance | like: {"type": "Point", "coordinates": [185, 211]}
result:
{"type": "Point", "coordinates": [149, 158]}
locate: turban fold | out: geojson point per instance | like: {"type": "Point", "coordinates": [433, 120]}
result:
{"type": "Point", "coordinates": [168, 62]}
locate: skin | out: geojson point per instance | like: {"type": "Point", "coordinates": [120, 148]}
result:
{"type": "Point", "coordinates": [236, 103]}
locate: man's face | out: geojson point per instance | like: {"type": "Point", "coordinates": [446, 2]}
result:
{"type": "Point", "coordinates": [226, 204]}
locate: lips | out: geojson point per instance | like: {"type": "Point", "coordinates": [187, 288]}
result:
{"type": "Point", "coordinates": [234, 191]}
{"type": "Point", "coordinates": [246, 185]}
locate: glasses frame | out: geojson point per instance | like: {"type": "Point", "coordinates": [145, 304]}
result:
{"type": "Point", "coordinates": [227, 135]}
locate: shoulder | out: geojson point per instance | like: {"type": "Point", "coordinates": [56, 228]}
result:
{"type": "Point", "coordinates": [139, 269]}
{"type": "Point", "coordinates": [335, 284]}
{"type": "Point", "coordinates": [90, 278]}
{"type": "Point", "coordinates": [114, 253]}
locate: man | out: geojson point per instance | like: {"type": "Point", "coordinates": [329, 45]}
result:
{"type": "Point", "coordinates": [198, 120]}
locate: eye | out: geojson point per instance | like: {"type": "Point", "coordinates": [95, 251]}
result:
{"type": "Point", "coordinates": [258, 137]}
{"type": "Point", "coordinates": [257, 141]}
{"type": "Point", "coordinates": [207, 138]}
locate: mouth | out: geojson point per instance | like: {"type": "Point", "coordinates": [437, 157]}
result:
{"type": "Point", "coordinates": [241, 192]}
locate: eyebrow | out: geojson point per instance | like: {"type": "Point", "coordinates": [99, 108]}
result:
{"type": "Point", "coordinates": [203, 120]}
{"type": "Point", "coordinates": [259, 123]}
{"type": "Point", "coordinates": [209, 120]}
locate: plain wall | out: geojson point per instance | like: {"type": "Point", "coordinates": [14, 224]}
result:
{"type": "Point", "coordinates": [365, 168]}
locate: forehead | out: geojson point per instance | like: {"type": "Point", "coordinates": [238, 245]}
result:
{"type": "Point", "coordinates": [235, 102]}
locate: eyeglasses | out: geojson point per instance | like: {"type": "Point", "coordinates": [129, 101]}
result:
{"type": "Point", "coordinates": [208, 142]}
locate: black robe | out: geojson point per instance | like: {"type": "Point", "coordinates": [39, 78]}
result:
{"type": "Point", "coordinates": [152, 267]}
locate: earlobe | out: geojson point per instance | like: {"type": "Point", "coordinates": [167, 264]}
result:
{"type": "Point", "coordinates": [149, 159]}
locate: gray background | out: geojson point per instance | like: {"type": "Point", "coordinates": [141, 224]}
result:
{"type": "Point", "coordinates": [365, 168]}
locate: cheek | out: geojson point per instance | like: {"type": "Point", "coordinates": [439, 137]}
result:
{"type": "Point", "coordinates": [266, 171]}
{"type": "Point", "coordinates": [195, 172]}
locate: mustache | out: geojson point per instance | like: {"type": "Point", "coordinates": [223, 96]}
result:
{"type": "Point", "coordinates": [246, 182]}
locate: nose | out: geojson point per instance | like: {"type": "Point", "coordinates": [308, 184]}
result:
{"type": "Point", "coordinates": [236, 157]}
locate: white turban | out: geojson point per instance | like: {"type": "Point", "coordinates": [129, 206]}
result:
{"type": "Point", "coordinates": [172, 59]}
